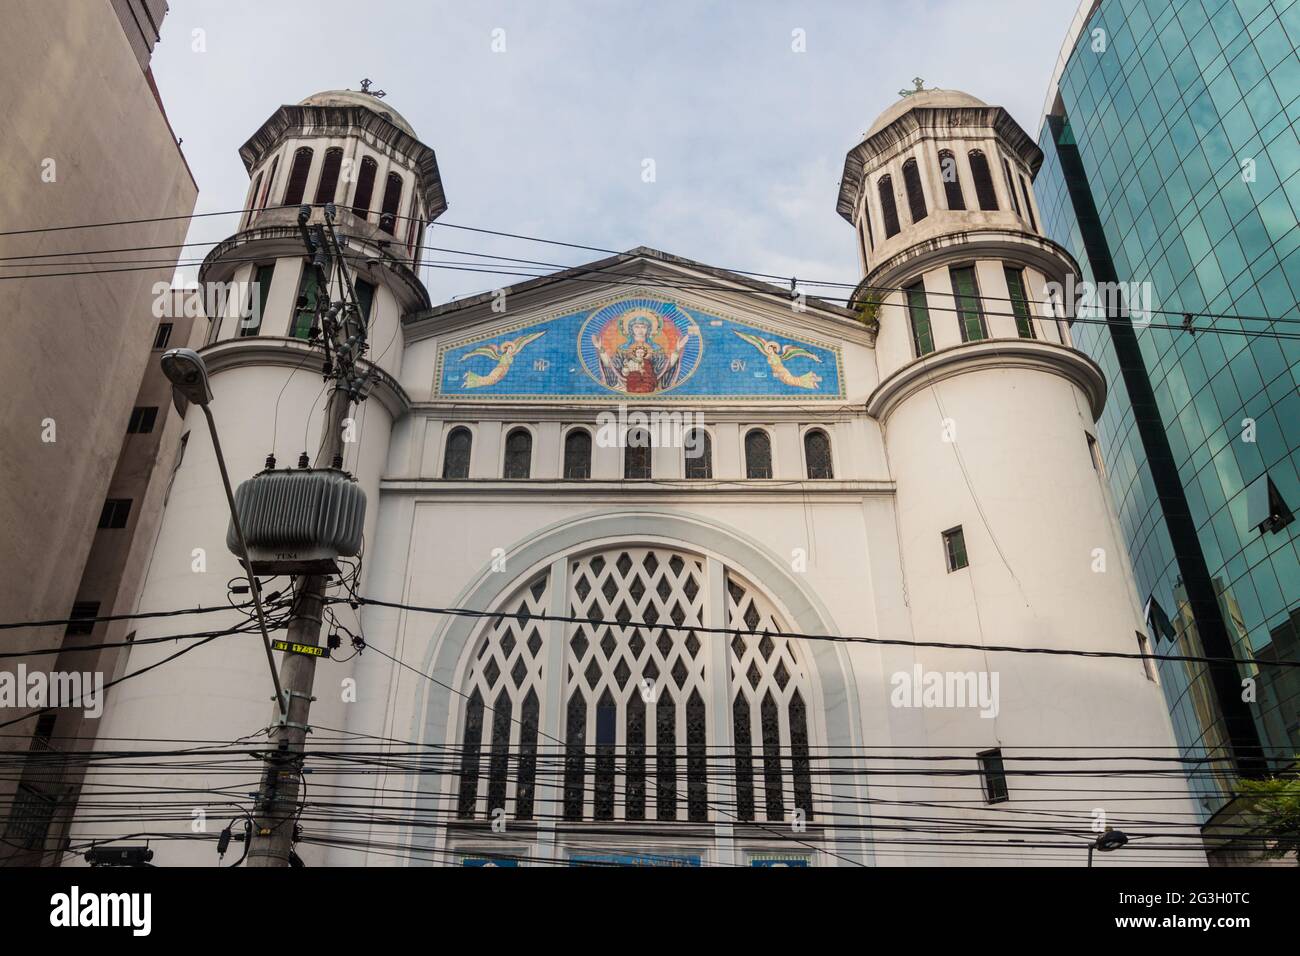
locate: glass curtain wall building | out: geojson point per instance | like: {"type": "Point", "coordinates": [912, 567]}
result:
{"type": "Point", "coordinates": [1172, 172]}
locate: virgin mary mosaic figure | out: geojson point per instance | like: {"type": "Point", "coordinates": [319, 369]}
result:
{"type": "Point", "coordinates": [647, 359]}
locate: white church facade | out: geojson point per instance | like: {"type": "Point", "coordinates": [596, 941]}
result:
{"type": "Point", "coordinates": [715, 532]}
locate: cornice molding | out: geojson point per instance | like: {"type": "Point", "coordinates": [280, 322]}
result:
{"type": "Point", "coordinates": [1023, 248]}
{"type": "Point", "coordinates": [272, 350]}
{"type": "Point", "coordinates": [1036, 354]}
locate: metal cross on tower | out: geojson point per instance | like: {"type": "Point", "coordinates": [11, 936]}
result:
{"type": "Point", "coordinates": [365, 88]}
{"type": "Point", "coordinates": [918, 87]}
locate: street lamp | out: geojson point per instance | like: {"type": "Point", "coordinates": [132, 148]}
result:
{"type": "Point", "coordinates": [184, 368]}
{"type": "Point", "coordinates": [1107, 842]}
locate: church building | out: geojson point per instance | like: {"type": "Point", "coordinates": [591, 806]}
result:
{"type": "Point", "coordinates": [715, 530]}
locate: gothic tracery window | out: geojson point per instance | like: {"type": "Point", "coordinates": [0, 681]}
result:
{"type": "Point", "coordinates": [506, 671]}
{"type": "Point", "coordinates": [638, 689]}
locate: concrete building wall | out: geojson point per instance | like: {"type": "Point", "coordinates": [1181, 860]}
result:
{"type": "Point", "coordinates": [86, 142]}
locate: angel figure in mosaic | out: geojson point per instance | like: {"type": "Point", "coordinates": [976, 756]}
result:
{"type": "Point", "coordinates": [777, 355]}
{"type": "Point", "coordinates": [503, 354]}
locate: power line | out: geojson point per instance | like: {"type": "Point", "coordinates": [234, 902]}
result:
{"type": "Point", "coordinates": [523, 616]}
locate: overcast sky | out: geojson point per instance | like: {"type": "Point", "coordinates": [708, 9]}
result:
{"type": "Point", "coordinates": [548, 138]}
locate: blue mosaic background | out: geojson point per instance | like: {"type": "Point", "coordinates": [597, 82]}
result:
{"type": "Point", "coordinates": [551, 366]}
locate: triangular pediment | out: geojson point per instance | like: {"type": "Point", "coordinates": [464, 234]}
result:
{"type": "Point", "coordinates": [642, 325]}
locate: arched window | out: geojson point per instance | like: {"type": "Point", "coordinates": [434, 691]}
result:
{"type": "Point", "coordinates": [412, 220]}
{"type": "Point", "coordinates": [270, 181]}
{"type": "Point", "coordinates": [979, 171]}
{"type": "Point", "coordinates": [455, 461]}
{"type": "Point", "coordinates": [951, 180]}
{"type": "Point", "coordinates": [817, 454]}
{"type": "Point", "coordinates": [758, 454]}
{"type": "Point", "coordinates": [698, 449]}
{"type": "Point", "coordinates": [519, 454]}
{"type": "Point", "coordinates": [1029, 206]}
{"type": "Point", "coordinates": [392, 202]}
{"type": "Point", "coordinates": [915, 194]}
{"type": "Point", "coordinates": [636, 456]}
{"type": "Point", "coordinates": [1011, 185]}
{"type": "Point", "coordinates": [887, 207]}
{"type": "Point", "coordinates": [627, 686]}
{"type": "Point", "coordinates": [329, 175]}
{"type": "Point", "coordinates": [866, 224]}
{"type": "Point", "coordinates": [298, 173]}
{"type": "Point", "coordinates": [577, 453]}
{"type": "Point", "coordinates": [365, 187]}
{"type": "Point", "coordinates": [252, 196]}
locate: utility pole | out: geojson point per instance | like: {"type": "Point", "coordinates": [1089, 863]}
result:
{"type": "Point", "coordinates": [342, 330]}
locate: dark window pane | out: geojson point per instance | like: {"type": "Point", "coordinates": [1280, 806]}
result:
{"type": "Point", "coordinates": [915, 194]}
{"type": "Point", "coordinates": [500, 765]}
{"type": "Point", "coordinates": [772, 784]}
{"type": "Point", "coordinates": [919, 314]}
{"type": "Point", "coordinates": [298, 176]}
{"type": "Point", "coordinates": [142, 420]}
{"type": "Point", "coordinates": [817, 451]}
{"type": "Point", "coordinates": [1019, 304]}
{"type": "Point", "coordinates": [329, 175]}
{"type": "Point", "coordinates": [392, 201]}
{"type": "Point", "coordinates": [305, 307]}
{"type": "Point", "coordinates": [758, 454]}
{"type": "Point", "coordinates": [1011, 186]}
{"type": "Point", "coordinates": [606, 736]}
{"type": "Point", "coordinates": [575, 756]}
{"type": "Point", "coordinates": [519, 454]}
{"type": "Point", "coordinates": [365, 298]}
{"type": "Point", "coordinates": [951, 181]}
{"type": "Point", "coordinates": [1029, 206]}
{"type": "Point", "coordinates": [666, 762]}
{"type": "Point", "coordinates": [251, 324]}
{"type": "Point", "coordinates": [634, 808]}
{"type": "Point", "coordinates": [800, 763]}
{"type": "Point", "coordinates": [994, 776]}
{"type": "Point", "coordinates": [577, 454]}
{"type": "Point", "coordinates": [455, 463]}
{"type": "Point", "coordinates": [697, 761]}
{"type": "Point", "coordinates": [699, 455]}
{"type": "Point", "coordinates": [636, 456]}
{"type": "Point", "coordinates": [365, 187]}
{"type": "Point", "coordinates": [524, 791]}
{"type": "Point", "coordinates": [954, 546]}
{"type": "Point", "coordinates": [970, 317]}
{"type": "Point", "coordinates": [887, 207]}
{"type": "Point", "coordinates": [270, 181]}
{"type": "Point", "coordinates": [744, 758]}
{"type": "Point", "coordinates": [979, 172]}
{"type": "Point", "coordinates": [163, 335]}
{"type": "Point", "coordinates": [115, 513]}
{"type": "Point", "coordinates": [80, 611]}
{"type": "Point", "coordinates": [469, 756]}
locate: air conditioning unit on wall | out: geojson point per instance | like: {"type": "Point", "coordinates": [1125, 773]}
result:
{"type": "Point", "coordinates": [299, 520]}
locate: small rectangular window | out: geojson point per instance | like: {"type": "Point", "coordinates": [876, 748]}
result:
{"type": "Point", "coordinates": [954, 548]}
{"type": "Point", "coordinates": [970, 316]}
{"type": "Point", "coordinates": [80, 619]}
{"type": "Point", "coordinates": [994, 776]}
{"type": "Point", "coordinates": [115, 513]}
{"type": "Point", "coordinates": [251, 322]}
{"type": "Point", "coordinates": [1019, 302]}
{"type": "Point", "coordinates": [922, 335]}
{"type": "Point", "coordinates": [163, 335]}
{"type": "Point", "coordinates": [142, 419]}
